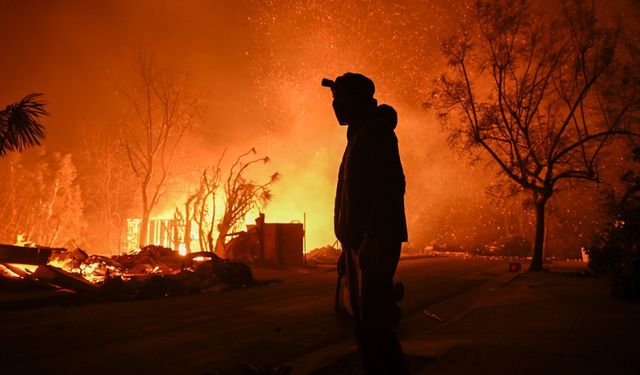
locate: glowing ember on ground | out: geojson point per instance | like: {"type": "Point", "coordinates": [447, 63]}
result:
{"type": "Point", "coordinates": [16, 270]}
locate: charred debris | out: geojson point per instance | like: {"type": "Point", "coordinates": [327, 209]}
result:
{"type": "Point", "coordinates": [63, 276]}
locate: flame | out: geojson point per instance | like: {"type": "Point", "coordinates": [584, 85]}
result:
{"type": "Point", "coordinates": [23, 240]}
{"type": "Point", "coordinates": [66, 266]}
{"type": "Point", "coordinates": [182, 249]}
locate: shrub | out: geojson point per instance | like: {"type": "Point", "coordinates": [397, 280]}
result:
{"type": "Point", "coordinates": [615, 252]}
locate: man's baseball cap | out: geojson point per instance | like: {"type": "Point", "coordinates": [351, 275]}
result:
{"type": "Point", "coordinates": [356, 84]}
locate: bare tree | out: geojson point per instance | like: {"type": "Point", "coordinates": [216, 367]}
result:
{"type": "Point", "coordinates": [542, 95]}
{"type": "Point", "coordinates": [40, 200]}
{"type": "Point", "coordinates": [188, 216]}
{"type": "Point", "coordinates": [200, 208]}
{"type": "Point", "coordinates": [107, 184]}
{"type": "Point", "coordinates": [20, 125]}
{"type": "Point", "coordinates": [163, 109]}
{"type": "Point", "coordinates": [241, 196]}
{"type": "Point", "coordinates": [205, 212]}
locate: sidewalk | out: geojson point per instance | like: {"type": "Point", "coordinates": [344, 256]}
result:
{"type": "Point", "coordinates": [539, 323]}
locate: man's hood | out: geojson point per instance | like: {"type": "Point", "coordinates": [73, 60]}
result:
{"type": "Point", "coordinates": [387, 114]}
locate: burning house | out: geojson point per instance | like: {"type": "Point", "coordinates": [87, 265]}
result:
{"type": "Point", "coordinates": [162, 268]}
{"type": "Point", "coordinates": [152, 271]}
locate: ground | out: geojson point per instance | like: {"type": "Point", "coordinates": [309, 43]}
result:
{"type": "Point", "coordinates": [219, 332]}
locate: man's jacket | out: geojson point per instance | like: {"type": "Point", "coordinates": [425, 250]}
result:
{"type": "Point", "coordinates": [370, 192]}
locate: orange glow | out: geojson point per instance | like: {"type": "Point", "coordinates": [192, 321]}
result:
{"type": "Point", "coordinates": [66, 266]}
{"type": "Point", "coordinates": [256, 68]}
{"type": "Point", "coordinates": [262, 89]}
{"type": "Point", "coordinates": [26, 268]}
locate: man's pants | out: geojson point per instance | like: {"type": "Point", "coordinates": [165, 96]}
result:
{"type": "Point", "coordinates": [370, 272]}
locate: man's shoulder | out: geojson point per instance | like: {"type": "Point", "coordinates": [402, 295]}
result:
{"type": "Point", "coordinates": [376, 128]}
{"type": "Point", "coordinates": [383, 120]}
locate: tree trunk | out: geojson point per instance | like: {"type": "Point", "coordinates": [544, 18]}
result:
{"type": "Point", "coordinates": [144, 227]}
{"type": "Point", "coordinates": [221, 250]}
{"type": "Point", "coordinates": [210, 239]}
{"type": "Point", "coordinates": [187, 234]}
{"type": "Point", "coordinates": [213, 221]}
{"type": "Point", "coordinates": [187, 226]}
{"type": "Point", "coordinates": [538, 245]}
{"type": "Point", "coordinates": [187, 221]}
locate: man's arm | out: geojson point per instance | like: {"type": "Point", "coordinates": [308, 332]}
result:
{"type": "Point", "coordinates": [381, 151]}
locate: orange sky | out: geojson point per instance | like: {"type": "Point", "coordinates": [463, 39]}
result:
{"type": "Point", "coordinates": [258, 65]}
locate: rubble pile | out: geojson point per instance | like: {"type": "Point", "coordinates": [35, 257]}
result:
{"type": "Point", "coordinates": [324, 255]}
{"type": "Point", "coordinates": [149, 272]}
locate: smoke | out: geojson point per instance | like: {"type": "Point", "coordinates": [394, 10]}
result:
{"type": "Point", "coordinates": [397, 46]}
{"type": "Point", "coordinates": [257, 66]}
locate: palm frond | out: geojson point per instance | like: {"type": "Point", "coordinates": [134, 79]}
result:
{"type": "Point", "coordinates": [20, 125]}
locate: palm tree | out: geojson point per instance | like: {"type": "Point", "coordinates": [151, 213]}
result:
{"type": "Point", "coordinates": [20, 125]}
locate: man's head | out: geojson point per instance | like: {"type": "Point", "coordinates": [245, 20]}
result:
{"type": "Point", "coordinates": [352, 97]}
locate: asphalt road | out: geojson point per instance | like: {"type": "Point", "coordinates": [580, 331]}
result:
{"type": "Point", "coordinates": [193, 334]}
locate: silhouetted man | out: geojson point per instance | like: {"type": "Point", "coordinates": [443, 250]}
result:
{"type": "Point", "coordinates": [369, 219]}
